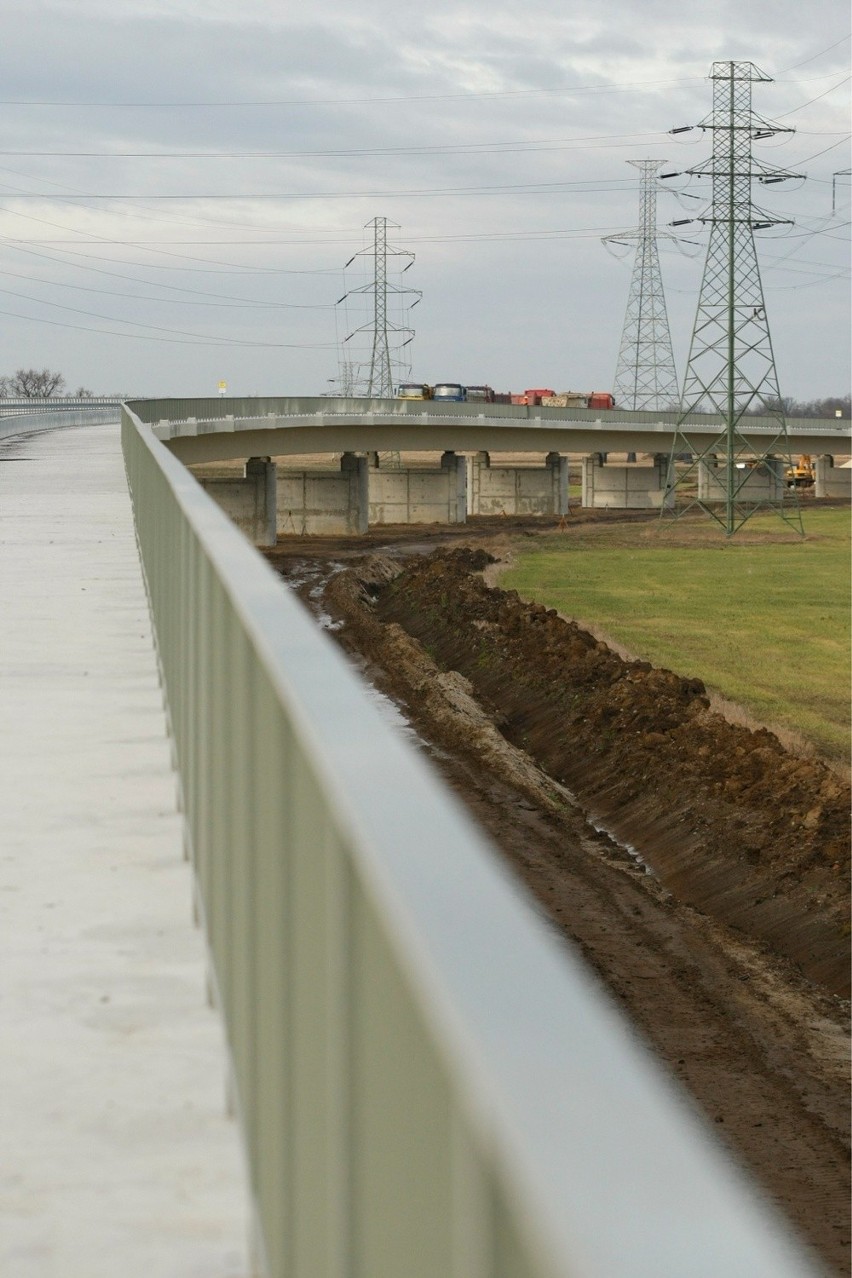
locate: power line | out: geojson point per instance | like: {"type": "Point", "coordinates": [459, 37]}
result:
{"type": "Point", "coordinates": [115, 319]}
{"type": "Point", "coordinates": [583, 233]}
{"type": "Point", "coordinates": [309, 103]}
{"type": "Point", "coordinates": [819, 96]}
{"type": "Point", "coordinates": [604, 186]}
{"type": "Point", "coordinates": [93, 239]}
{"type": "Point", "coordinates": [213, 268]}
{"type": "Point", "coordinates": [143, 337]}
{"type": "Point", "coordinates": [814, 56]}
{"type": "Point", "coordinates": [460, 148]}
{"type": "Point", "coordinates": [615, 86]}
{"type": "Point", "coordinates": [235, 304]}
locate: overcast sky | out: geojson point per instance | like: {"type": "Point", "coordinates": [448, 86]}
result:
{"type": "Point", "coordinates": [250, 146]}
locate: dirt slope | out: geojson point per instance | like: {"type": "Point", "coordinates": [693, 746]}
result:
{"type": "Point", "coordinates": [728, 819]}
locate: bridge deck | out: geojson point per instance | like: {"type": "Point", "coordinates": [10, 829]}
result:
{"type": "Point", "coordinates": [117, 1155]}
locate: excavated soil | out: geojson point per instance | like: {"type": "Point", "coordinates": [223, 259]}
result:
{"type": "Point", "coordinates": [700, 867]}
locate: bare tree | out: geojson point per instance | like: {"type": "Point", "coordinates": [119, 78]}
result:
{"type": "Point", "coordinates": [831, 406]}
{"type": "Point", "coordinates": [35, 383]}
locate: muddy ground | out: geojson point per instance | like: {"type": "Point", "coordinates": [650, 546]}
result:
{"type": "Point", "coordinates": [700, 867]}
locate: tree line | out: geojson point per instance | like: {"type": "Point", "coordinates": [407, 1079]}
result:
{"type": "Point", "coordinates": [832, 406]}
{"type": "Point", "coordinates": [38, 383]}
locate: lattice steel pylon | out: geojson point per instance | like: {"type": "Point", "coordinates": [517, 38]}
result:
{"type": "Point", "coordinates": [379, 377]}
{"type": "Point", "coordinates": [731, 367]}
{"type": "Point", "coordinates": [645, 375]}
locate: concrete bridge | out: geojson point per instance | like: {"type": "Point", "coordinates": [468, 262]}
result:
{"type": "Point", "coordinates": [424, 1082]}
{"type": "Point", "coordinates": [213, 430]}
{"type": "Point", "coordinates": [476, 445]}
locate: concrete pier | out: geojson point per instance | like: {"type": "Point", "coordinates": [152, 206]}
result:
{"type": "Point", "coordinates": [117, 1156]}
{"type": "Point", "coordinates": [250, 501]}
{"type": "Point", "coordinates": [831, 480]}
{"type": "Point", "coordinates": [322, 502]}
{"type": "Point", "coordinates": [762, 483]}
{"type": "Point", "coordinates": [624, 487]}
{"type": "Point", "coordinates": [420, 496]}
{"type": "Point", "coordinates": [518, 490]}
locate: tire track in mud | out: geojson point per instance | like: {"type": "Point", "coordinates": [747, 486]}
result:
{"type": "Point", "coordinates": [760, 1049]}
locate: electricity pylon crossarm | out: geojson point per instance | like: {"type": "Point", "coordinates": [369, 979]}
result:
{"type": "Point", "coordinates": [731, 368]}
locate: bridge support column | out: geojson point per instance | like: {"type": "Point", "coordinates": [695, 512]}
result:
{"type": "Point", "coordinates": [324, 502]}
{"type": "Point", "coordinates": [558, 467]}
{"type": "Point", "coordinates": [517, 490]}
{"type": "Point", "coordinates": [763, 483]}
{"type": "Point", "coordinates": [831, 481]}
{"type": "Point", "coordinates": [249, 501]}
{"type": "Point", "coordinates": [357, 468]}
{"type": "Point", "coordinates": [624, 487]}
{"type": "Point", "coordinates": [433, 496]}
{"type": "Point", "coordinates": [456, 469]}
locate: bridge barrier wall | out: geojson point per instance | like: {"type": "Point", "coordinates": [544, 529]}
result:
{"type": "Point", "coordinates": [428, 496]}
{"type": "Point", "coordinates": [624, 487]}
{"type": "Point", "coordinates": [428, 1082]}
{"type": "Point", "coordinates": [831, 480]}
{"type": "Point", "coordinates": [322, 503]}
{"type": "Point", "coordinates": [517, 490]}
{"type": "Point", "coordinates": [250, 501]}
{"type": "Point", "coordinates": [180, 410]}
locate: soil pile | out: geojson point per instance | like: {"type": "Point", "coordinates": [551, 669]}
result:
{"type": "Point", "coordinates": [729, 820]}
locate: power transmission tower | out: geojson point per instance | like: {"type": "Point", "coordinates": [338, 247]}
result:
{"type": "Point", "coordinates": [645, 375]}
{"type": "Point", "coordinates": [731, 367]}
{"type": "Point", "coordinates": [388, 338]}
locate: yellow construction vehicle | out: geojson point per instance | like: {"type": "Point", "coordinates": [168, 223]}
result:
{"type": "Point", "coordinates": [801, 474]}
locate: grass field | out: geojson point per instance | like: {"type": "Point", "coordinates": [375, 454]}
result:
{"type": "Point", "coordinates": [763, 619]}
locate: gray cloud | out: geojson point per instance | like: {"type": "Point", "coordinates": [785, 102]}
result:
{"type": "Point", "coordinates": [395, 88]}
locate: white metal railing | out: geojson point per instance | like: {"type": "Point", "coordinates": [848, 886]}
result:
{"type": "Point", "coordinates": [26, 423]}
{"type": "Point", "coordinates": [51, 403]}
{"type": "Point", "coordinates": [429, 1084]}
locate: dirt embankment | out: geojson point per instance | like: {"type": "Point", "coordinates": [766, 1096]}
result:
{"type": "Point", "coordinates": [728, 819]}
{"type": "Point", "coordinates": [551, 738]}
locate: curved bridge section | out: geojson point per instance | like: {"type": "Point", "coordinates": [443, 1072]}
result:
{"type": "Point", "coordinates": [216, 430]}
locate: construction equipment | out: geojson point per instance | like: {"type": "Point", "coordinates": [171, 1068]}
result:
{"type": "Point", "coordinates": [801, 474]}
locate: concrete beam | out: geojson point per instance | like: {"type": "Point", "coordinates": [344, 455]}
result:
{"type": "Point", "coordinates": [374, 433]}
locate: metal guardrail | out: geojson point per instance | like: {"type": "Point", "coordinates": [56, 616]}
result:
{"type": "Point", "coordinates": [37, 402]}
{"type": "Point", "coordinates": [56, 419]}
{"type": "Point", "coordinates": [429, 1084]}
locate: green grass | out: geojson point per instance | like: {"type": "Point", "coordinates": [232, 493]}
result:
{"type": "Point", "coordinates": [762, 618]}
